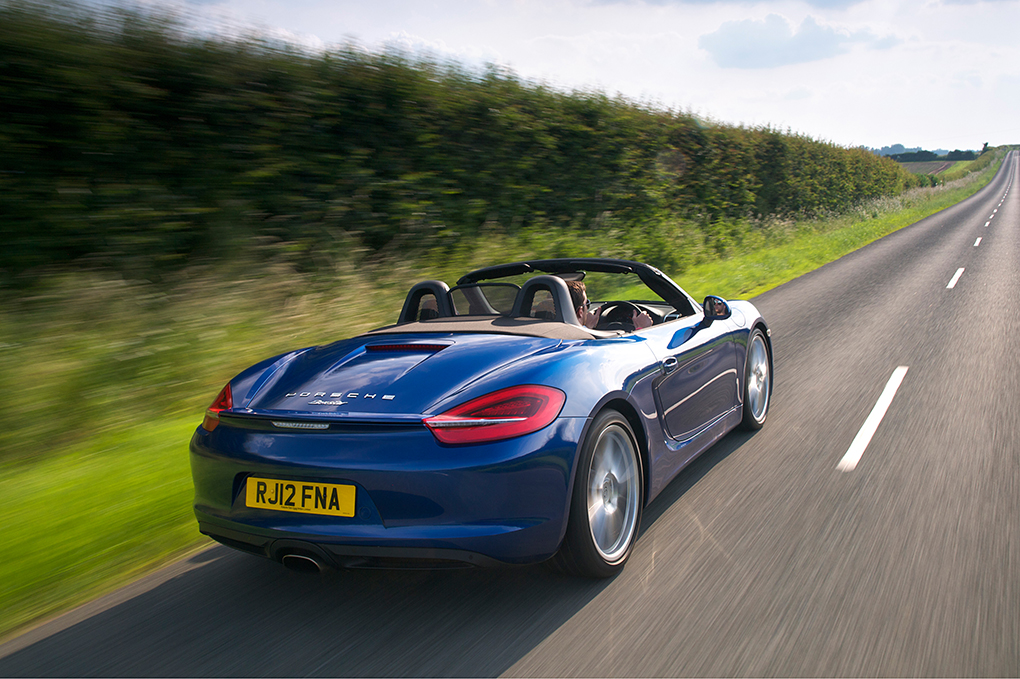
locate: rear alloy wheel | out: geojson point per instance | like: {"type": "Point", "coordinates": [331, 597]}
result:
{"type": "Point", "coordinates": [605, 507]}
{"type": "Point", "coordinates": [757, 382]}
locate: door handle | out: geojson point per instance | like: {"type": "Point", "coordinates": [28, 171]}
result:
{"type": "Point", "coordinates": [670, 364]}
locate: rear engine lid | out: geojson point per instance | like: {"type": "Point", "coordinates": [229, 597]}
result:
{"type": "Point", "coordinates": [384, 377]}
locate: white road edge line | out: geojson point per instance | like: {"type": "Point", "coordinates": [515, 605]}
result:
{"type": "Point", "coordinates": [956, 277]}
{"type": "Point", "coordinates": [863, 438]}
{"type": "Point", "coordinates": [977, 242]}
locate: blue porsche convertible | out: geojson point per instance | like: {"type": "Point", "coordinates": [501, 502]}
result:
{"type": "Point", "coordinates": [528, 413]}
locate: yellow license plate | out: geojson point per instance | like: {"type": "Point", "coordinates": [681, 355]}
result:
{"type": "Point", "coordinates": [327, 499]}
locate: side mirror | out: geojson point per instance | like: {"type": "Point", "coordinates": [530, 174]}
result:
{"type": "Point", "coordinates": [716, 309]}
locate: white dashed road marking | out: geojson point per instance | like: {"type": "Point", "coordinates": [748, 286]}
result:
{"type": "Point", "coordinates": [955, 279]}
{"type": "Point", "coordinates": [863, 438]}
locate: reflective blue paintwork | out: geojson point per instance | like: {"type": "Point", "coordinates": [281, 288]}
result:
{"type": "Point", "coordinates": [678, 382]}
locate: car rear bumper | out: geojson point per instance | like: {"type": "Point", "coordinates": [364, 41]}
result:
{"type": "Point", "coordinates": [416, 500]}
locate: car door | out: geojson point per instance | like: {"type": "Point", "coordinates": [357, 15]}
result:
{"type": "Point", "coordinates": [700, 380]}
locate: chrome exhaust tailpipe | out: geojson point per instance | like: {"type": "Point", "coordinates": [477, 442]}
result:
{"type": "Point", "coordinates": [301, 563]}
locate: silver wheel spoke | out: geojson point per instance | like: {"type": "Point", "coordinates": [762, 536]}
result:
{"type": "Point", "coordinates": [758, 378]}
{"type": "Point", "coordinates": [613, 493]}
{"type": "Point", "coordinates": [597, 520]}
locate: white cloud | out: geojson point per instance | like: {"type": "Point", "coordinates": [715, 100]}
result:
{"type": "Point", "coordinates": [771, 42]}
{"type": "Point", "coordinates": [967, 79]}
{"type": "Point", "coordinates": [798, 94]}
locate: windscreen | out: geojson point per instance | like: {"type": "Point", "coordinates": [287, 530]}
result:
{"type": "Point", "coordinates": [602, 286]}
{"type": "Point", "coordinates": [615, 286]}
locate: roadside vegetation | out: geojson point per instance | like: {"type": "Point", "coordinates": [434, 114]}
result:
{"type": "Point", "coordinates": [174, 209]}
{"type": "Point", "coordinates": [963, 168]}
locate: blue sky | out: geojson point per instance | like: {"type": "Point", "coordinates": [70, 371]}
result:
{"type": "Point", "coordinates": [929, 73]}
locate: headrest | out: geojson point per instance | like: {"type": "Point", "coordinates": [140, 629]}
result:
{"type": "Point", "coordinates": [562, 311]}
{"type": "Point", "coordinates": [412, 310]}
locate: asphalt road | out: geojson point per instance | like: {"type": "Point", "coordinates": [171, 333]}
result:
{"type": "Point", "coordinates": [763, 558]}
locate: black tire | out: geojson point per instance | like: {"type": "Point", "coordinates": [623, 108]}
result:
{"type": "Point", "coordinates": [757, 381]}
{"type": "Point", "coordinates": [606, 503]}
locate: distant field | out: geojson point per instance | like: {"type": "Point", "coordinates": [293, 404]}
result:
{"type": "Point", "coordinates": [929, 167]}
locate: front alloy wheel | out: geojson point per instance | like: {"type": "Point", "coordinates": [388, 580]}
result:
{"type": "Point", "coordinates": [757, 382]}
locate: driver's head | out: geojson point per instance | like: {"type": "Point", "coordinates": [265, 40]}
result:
{"type": "Point", "coordinates": [578, 299]}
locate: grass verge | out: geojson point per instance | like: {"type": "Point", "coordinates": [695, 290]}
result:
{"type": "Point", "coordinates": [111, 380]}
{"type": "Point", "coordinates": [752, 273]}
{"type": "Point", "coordinates": [81, 523]}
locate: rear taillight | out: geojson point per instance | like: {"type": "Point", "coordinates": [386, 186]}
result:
{"type": "Point", "coordinates": [224, 401]}
{"type": "Point", "coordinates": [503, 414]}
